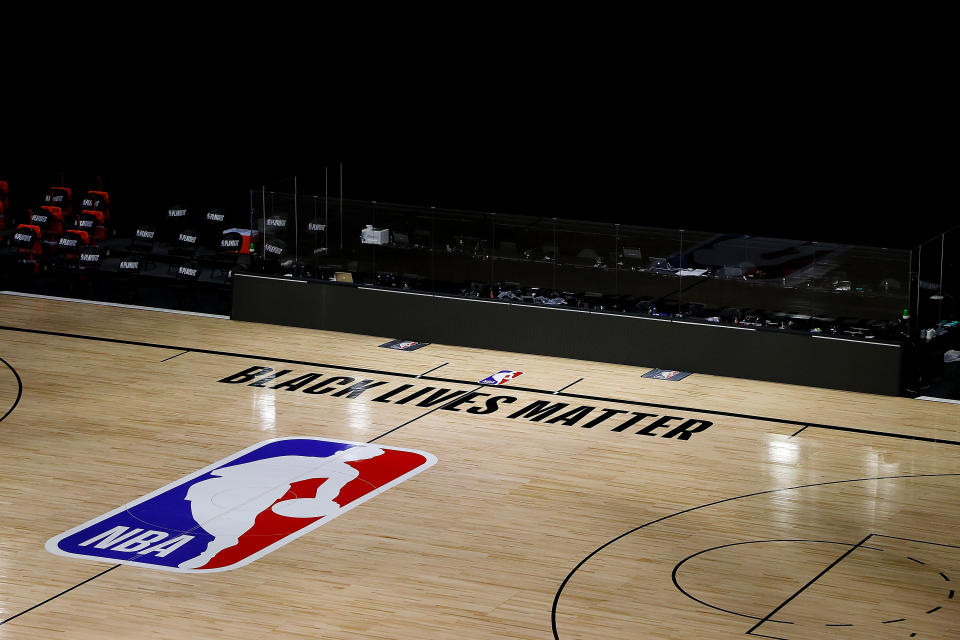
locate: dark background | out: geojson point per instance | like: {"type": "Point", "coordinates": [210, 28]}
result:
{"type": "Point", "coordinates": [872, 170]}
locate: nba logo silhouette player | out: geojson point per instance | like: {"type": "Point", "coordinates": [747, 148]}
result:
{"type": "Point", "coordinates": [228, 504]}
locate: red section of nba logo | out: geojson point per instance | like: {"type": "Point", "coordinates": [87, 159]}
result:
{"type": "Point", "coordinates": [269, 527]}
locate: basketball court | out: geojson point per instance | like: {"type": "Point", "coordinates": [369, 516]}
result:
{"type": "Point", "coordinates": [577, 500]}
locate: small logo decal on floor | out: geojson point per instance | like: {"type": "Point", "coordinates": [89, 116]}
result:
{"type": "Point", "coordinates": [404, 345]}
{"type": "Point", "coordinates": [666, 374]}
{"type": "Point", "coordinates": [501, 377]}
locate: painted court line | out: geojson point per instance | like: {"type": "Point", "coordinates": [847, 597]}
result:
{"type": "Point", "coordinates": [40, 604]}
{"type": "Point", "coordinates": [934, 399]}
{"type": "Point", "coordinates": [568, 386]}
{"type": "Point", "coordinates": [432, 370]}
{"type": "Point", "coordinates": [248, 356]}
{"type": "Point", "coordinates": [19, 390]}
{"type": "Point", "coordinates": [804, 587]}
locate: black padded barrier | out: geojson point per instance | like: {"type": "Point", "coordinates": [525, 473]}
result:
{"type": "Point", "coordinates": [819, 361]}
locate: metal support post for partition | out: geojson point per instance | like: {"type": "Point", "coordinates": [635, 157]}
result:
{"type": "Point", "coordinates": [326, 221]}
{"type": "Point", "coordinates": [263, 213]}
{"type": "Point", "coordinates": [680, 300]}
{"type": "Point", "coordinates": [555, 251]}
{"type": "Point", "coordinates": [809, 288]}
{"type": "Point", "coordinates": [341, 206]}
{"type": "Point", "coordinates": [616, 260]}
{"type": "Point", "coordinates": [316, 231]}
{"type": "Point", "coordinates": [296, 223]}
{"type": "Point", "coordinates": [943, 246]}
{"type": "Point", "coordinates": [493, 243]}
{"type": "Point", "coordinates": [916, 317]}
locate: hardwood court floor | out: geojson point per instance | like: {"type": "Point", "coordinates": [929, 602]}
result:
{"type": "Point", "coordinates": [745, 523]}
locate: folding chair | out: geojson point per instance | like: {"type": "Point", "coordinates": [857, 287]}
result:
{"type": "Point", "coordinates": [125, 283]}
{"type": "Point", "coordinates": [213, 224]}
{"type": "Point", "coordinates": [225, 259]}
{"type": "Point", "coordinates": [276, 223]}
{"type": "Point", "coordinates": [144, 239]}
{"type": "Point", "coordinates": [177, 220]}
{"type": "Point", "coordinates": [185, 248]}
{"type": "Point", "coordinates": [189, 271]}
{"type": "Point", "coordinates": [91, 257]}
{"type": "Point", "coordinates": [92, 223]}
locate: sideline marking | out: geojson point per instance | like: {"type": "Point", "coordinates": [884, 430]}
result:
{"type": "Point", "coordinates": [935, 399]}
{"type": "Point", "coordinates": [247, 356]}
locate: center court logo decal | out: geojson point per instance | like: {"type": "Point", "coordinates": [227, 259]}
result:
{"type": "Point", "coordinates": [242, 507]}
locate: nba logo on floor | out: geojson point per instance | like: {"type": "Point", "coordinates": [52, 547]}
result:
{"type": "Point", "coordinates": [666, 374]}
{"type": "Point", "coordinates": [501, 377]}
{"type": "Point", "coordinates": [244, 506]}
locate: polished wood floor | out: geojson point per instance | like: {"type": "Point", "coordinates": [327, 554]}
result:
{"type": "Point", "coordinates": [755, 526]}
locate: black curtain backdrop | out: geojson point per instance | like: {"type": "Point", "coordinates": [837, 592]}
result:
{"type": "Point", "coordinates": [857, 175]}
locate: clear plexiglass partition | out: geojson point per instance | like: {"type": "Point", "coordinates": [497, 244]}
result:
{"type": "Point", "coordinates": [791, 285]}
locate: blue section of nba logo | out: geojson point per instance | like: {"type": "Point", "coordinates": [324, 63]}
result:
{"type": "Point", "coordinates": [161, 528]}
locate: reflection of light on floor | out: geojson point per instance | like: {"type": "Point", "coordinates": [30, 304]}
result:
{"type": "Point", "coordinates": [876, 466]}
{"type": "Point", "coordinates": [265, 409]}
{"type": "Point", "coordinates": [358, 417]}
{"type": "Point", "coordinates": [784, 472]}
{"type": "Point", "coordinates": [783, 452]}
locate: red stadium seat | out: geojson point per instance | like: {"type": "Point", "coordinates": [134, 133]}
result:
{"type": "Point", "coordinates": [49, 220]}
{"type": "Point", "coordinates": [27, 241]}
{"type": "Point", "coordinates": [97, 201]}
{"type": "Point", "coordinates": [71, 243]}
{"type": "Point", "coordinates": [60, 197]}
